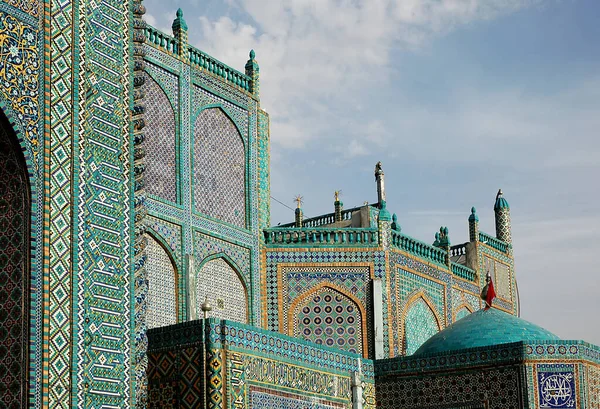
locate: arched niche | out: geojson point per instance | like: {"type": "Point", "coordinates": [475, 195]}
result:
{"type": "Point", "coordinates": [220, 282]}
{"type": "Point", "coordinates": [162, 285]}
{"type": "Point", "coordinates": [159, 143]}
{"type": "Point", "coordinates": [420, 324]}
{"type": "Point", "coordinates": [15, 275]}
{"type": "Point", "coordinates": [328, 316]}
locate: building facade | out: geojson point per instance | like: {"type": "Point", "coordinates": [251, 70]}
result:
{"type": "Point", "coordinates": [135, 197]}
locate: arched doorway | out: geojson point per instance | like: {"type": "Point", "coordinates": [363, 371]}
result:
{"type": "Point", "coordinates": [14, 269]}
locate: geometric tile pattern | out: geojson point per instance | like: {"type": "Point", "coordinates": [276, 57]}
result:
{"type": "Point", "coordinates": [60, 213]}
{"type": "Point", "coordinates": [593, 381]}
{"type": "Point", "coordinates": [206, 246]}
{"type": "Point", "coordinates": [503, 227]}
{"type": "Point", "coordinates": [451, 390]}
{"type": "Point", "coordinates": [264, 171]}
{"type": "Point", "coordinates": [14, 273]}
{"type": "Point", "coordinates": [31, 7]}
{"type": "Point", "coordinates": [502, 285]}
{"type": "Point", "coordinates": [162, 293]}
{"type": "Point", "coordinates": [219, 283]}
{"type": "Point", "coordinates": [202, 98]}
{"type": "Point", "coordinates": [159, 143]}
{"type": "Point", "coordinates": [219, 168]}
{"type": "Point", "coordinates": [167, 81]}
{"type": "Point", "coordinates": [330, 318]}
{"type": "Point", "coordinates": [556, 386]}
{"type": "Point", "coordinates": [420, 324]}
{"type": "Point", "coordinates": [103, 216]}
{"type": "Point", "coordinates": [169, 232]}
{"type": "Point", "coordinates": [297, 280]}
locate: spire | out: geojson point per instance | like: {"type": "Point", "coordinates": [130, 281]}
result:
{"type": "Point", "coordinates": [338, 206]}
{"type": "Point", "coordinates": [179, 23]}
{"type": "Point", "coordinates": [298, 212]}
{"type": "Point", "coordinates": [502, 215]}
{"type": "Point", "coordinates": [473, 225]}
{"type": "Point", "coordinates": [379, 178]}
{"type": "Point", "coordinates": [253, 71]}
{"type": "Point", "coordinates": [180, 29]}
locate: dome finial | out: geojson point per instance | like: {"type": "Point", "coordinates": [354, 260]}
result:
{"type": "Point", "coordinates": [252, 54]}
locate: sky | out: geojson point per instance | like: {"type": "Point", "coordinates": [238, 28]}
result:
{"type": "Point", "coordinates": [456, 98]}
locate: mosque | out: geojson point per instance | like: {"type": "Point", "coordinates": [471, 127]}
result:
{"type": "Point", "coordinates": [139, 267]}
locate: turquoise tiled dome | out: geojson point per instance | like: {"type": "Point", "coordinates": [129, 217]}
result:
{"type": "Point", "coordinates": [484, 328]}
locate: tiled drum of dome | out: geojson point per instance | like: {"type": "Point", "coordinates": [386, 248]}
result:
{"type": "Point", "coordinates": [420, 324]}
{"type": "Point", "coordinates": [159, 143]}
{"type": "Point", "coordinates": [162, 296]}
{"type": "Point", "coordinates": [219, 168]}
{"type": "Point", "coordinates": [330, 318]}
{"type": "Point", "coordinates": [14, 285]}
{"type": "Point", "coordinates": [220, 284]}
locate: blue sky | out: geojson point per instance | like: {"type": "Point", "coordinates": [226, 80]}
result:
{"type": "Point", "coordinates": [456, 98]}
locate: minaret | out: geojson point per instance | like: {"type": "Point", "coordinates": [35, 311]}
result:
{"type": "Point", "coordinates": [379, 176]}
{"type": "Point", "coordinates": [299, 215]}
{"type": "Point", "coordinates": [338, 206]}
{"type": "Point", "coordinates": [473, 225]}
{"type": "Point", "coordinates": [180, 29]}
{"type": "Point", "coordinates": [502, 211]}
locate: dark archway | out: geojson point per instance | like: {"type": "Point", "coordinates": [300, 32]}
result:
{"type": "Point", "coordinates": [15, 205]}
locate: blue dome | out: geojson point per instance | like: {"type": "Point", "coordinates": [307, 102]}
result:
{"type": "Point", "coordinates": [484, 328]}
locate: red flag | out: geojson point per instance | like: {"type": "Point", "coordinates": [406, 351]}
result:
{"type": "Point", "coordinates": [491, 294]}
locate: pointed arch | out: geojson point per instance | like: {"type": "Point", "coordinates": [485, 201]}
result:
{"type": "Point", "coordinates": [15, 267]}
{"type": "Point", "coordinates": [419, 321]}
{"type": "Point", "coordinates": [228, 293]}
{"type": "Point", "coordinates": [219, 174]}
{"type": "Point", "coordinates": [310, 318]}
{"type": "Point", "coordinates": [162, 283]}
{"type": "Point", "coordinates": [462, 311]}
{"type": "Point", "coordinates": [159, 142]}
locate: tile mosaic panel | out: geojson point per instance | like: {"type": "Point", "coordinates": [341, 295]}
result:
{"type": "Point", "coordinates": [593, 386]}
{"type": "Point", "coordinates": [102, 214]}
{"type": "Point", "coordinates": [265, 399]}
{"type": "Point", "coordinates": [201, 98]}
{"type": "Point", "coordinates": [162, 279]}
{"type": "Point", "coordinates": [219, 176]}
{"type": "Point", "coordinates": [488, 258]}
{"type": "Point", "coordinates": [19, 77]}
{"type": "Point", "coordinates": [14, 272]}
{"type": "Point", "coordinates": [463, 301]}
{"type": "Point", "coordinates": [220, 284]}
{"type": "Point", "coordinates": [59, 132]}
{"type": "Point", "coordinates": [264, 170]}
{"type": "Point", "coordinates": [170, 232]}
{"type": "Point", "coordinates": [501, 387]}
{"type": "Point", "coordinates": [280, 374]}
{"type": "Point", "coordinates": [159, 143]}
{"type": "Point", "coordinates": [296, 280]}
{"type": "Point", "coordinates": [206, 245]}
{"type": "Point", "coordinates": [502, 284]}
{"type": "Point", "coordinates": [420, 324]}
{"type": "Point", "coordinates": [31, 7]}
{"type": "Point", "coordinates": [556, 385]}
{"type": "Point", "coordinates": [167, 81]}
{"type": "Point", "coordinates": [329, 318]}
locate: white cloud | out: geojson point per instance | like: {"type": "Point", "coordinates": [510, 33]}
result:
{"type": "Point", "coordinates": [316, 54]}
